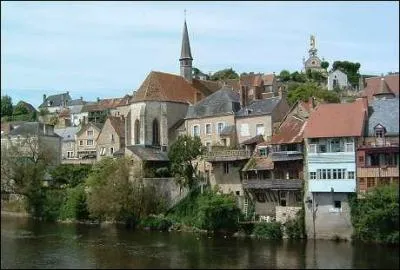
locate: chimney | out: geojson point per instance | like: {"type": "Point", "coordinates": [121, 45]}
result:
{"type": "Point", "coordinates": [243, 96]}
{"type": "Point", "coordinates": [44, 98]}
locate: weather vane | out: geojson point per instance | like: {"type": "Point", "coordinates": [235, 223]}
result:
{"type": "Point", "coordinates": [184, 11]}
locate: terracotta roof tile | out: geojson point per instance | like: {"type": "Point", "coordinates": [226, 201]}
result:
{"type": "Point", "coordinates": [337, 120]}
{"type": "Point", "coordinates": [373, 85]}
{"type": "Point", "coordinates": [291, 131]}
{"type": "Point", "coordinates": [206, 87]}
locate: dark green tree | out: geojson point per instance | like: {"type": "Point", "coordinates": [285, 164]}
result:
{"type": "Point", "coordinates": [325, 65]}
{"type": "Point", "coordinates": [6, 106]}
{"type": "Point", "coordinates": [223, 74]}
{"type": "Point", "coordinates": [298, 77]}
{"type": "Point", "coordinates": [284, 76]}
{"type": "Point", "coordinates": [182, 153]}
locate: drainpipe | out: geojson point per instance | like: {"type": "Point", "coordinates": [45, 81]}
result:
{"type": "Point", "coordinates": [315, 208]}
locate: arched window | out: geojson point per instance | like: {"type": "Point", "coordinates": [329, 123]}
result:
{"type": "Point", "coordinates": [137, 132]}
{"type": "Point", "coordinates": [156, 132]}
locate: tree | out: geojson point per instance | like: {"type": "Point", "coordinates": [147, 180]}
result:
{"type": "Point", "coordinates": [6, 106]}
{"type": "Point", "coordinates": [20, 109]}
{"type": "Point", "coordinates": [223, 74]}
{"type": "Point", "coordinates": [284, 75]}
{"type": "Point", "coordinates": [182, 155]}
{"type": "Point", "coordinates": [310, 89]}
{"type": "Point", "coordinates": [70, 175]}
{"type": "Point", "coordinates": [350, 68]}
{"type": "Point", "coordinates": [325, 65]}
{"type": "Point", "coordinates": [298, 77]}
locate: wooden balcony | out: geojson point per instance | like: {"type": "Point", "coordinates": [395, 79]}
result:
{"type": "Point", "coordinates": [378, 172]}
{"type": "Point", "coordinates": [227, 155]}
{"type": "Point", "coordinates": [273, 184]}
{"type": "Point", "coordinates": [286, 155]}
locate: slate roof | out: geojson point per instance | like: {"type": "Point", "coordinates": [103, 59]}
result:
{"type": "Point", "coordinates": [76, 109]}
{"type": "Point", "coordinates": [224, 101]}
{"type": "Point", "coordinates": [76, 102]}
{"type": "Point", "coordinates": [29, 129]}
{"type": "Point", "coordinates": [67, 134]}
{"type": "Point", "coordinates": [386, 113]}
{"type": "Point", "coordinates": [259, 107]}
{"type": "Point", "coordinates": [27, 105]}
{"type": "Point", "coordinates": [336, 120]}
{"type": "Point", "coordinates": [56, 100]}
{"type": "Point", "coordinates": [148, 153]}
{"type": "Point", "coordinates": [373, 85]}
{"type": "Point", "coordinates": [185, 50]}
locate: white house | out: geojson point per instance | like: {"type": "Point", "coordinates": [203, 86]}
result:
{"type": "Point", "coordinates": [337, 78]}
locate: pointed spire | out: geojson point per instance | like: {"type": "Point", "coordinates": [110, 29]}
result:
{"type": "Point", "coordinates": [185, 51]}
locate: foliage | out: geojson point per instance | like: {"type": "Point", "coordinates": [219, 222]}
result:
{"type": "Point", "coordinates": [223, 74]}
{"type": "Point", "coordinates": [295, 228]}
{"type": "Point", "coordinates": [217, 211]}
{"type": "Point", "coordinates": [307, 90]}
{"type": "Point", "coordinates": [325, 65]}
{"type": "Point", "coordinates": [298, 77]}
{"type": "Point", "coordinates": [6, 106]}
{"type": "Point", "coordinates": [159, 223]}
{"type": "Point", "coordinates": [350, 68]}
{"type": "Point", "coordinates": [53, 120]}
{"type": "Point", "coordinates": [197, 72]}
{"type": "Point", "coordinates": [181, 154]}
{"type": "Point", "coordinates": [75, 205]}
{"type": "Point", "coordinates": [43, 111]}
{"type": "Point", "coordinates": [70, 174]}
{"type": "Point", "coordinates": [53, 200]}
{"type": "Point", "coordinates": [268, 230]}
{"type": "Point", "coordinates": [376, 216]}
{"type": "Point", "coordinates": [284, 75]}
{"type": "Point", "coordinates": [20, 109]}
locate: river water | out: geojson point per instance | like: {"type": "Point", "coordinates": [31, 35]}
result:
{"type": "Point", "coordinates": [27, 243]}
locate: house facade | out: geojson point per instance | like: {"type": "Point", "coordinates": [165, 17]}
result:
{"type": "Point", "coordinates": [68, 143]}
{"type": "Point", "coordinates": [337, 79]}
{"type": "Point", "coordinates": [86, 141]}
{"type": "Point", "coordinates": [55, 103]}
{"type": "Point", "coordinates": [331, 167]}
{"type": "Point", "coordinates": [111, 137]}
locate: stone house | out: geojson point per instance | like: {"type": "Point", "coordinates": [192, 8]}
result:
{"type": "Point", "coordinates": [86, 140]}
{"type": "Point", "coordinates": [273, 177]}
{"type": "Point", "coordinates": [68, 143]}
{"type": "Point", "coordinates": [330, 158]}
{"type": "Point", "coordinates": [378, 150]}
{"type": "Point", "coordinates": [111, 137]}
{"type": "Point", "coordinates": [55, 103]}
{"type": "Point", "coordinates": [337, 79]}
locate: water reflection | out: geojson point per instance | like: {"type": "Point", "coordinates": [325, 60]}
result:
{"type": "Point", "coordinates": [31, 244]}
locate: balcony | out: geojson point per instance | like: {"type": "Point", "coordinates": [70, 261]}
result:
{"type": "Point", "coordinates": [286, 155]}
{"type": "Point", "coordinates": [384, 146]}
{"type": "Point", "coordinates": [323, 185]}
{"type": "Point", "coordinates": [227, 155]}
{"type": "Point", "coordinates": [378, 172]}
{"type": "Point", "coordinates": [273, 184]}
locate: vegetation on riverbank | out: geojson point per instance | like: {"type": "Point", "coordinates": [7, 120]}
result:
{"type": "Point", "coordinates": [376, 216]}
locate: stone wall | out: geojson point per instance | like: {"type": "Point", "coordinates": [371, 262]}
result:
{"type": "Point", "coordinates": [285, 213]}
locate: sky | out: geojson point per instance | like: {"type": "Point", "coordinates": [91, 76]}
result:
{"type": "Point", "coordinates": [106, 49]}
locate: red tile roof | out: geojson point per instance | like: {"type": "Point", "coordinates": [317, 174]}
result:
{"type": "Point", "coordinates": [159, 86]}
{"type": "Point", "coordinates": [291, 131]}
{"type": "Point", "coordinates": [337, 120]}
{"type": "Point", "coordinates": [251, 80]}
{"type": "Point", "coordinates": [373, 85]}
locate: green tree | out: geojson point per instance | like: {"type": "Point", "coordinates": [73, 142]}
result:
{"type": "Point", "coordinates": [182, 154]}
{"type": "Point", "coordinates": [284, 75]}
{"type": "Point", "coordinates": [70, 174]}
{"type": "Point", "coordinates": [223, 74]}
{"type": "Point", "coordinates": [6, 106]}
{"type": "Point", "coordinates": [325, 65]}
{"type": "Point", "coordinates": [20, 109]}
{"type": "Point", "coordinates": [311, 89]}
{"type": "Point", "coordinates": [43, 111]}
{"type": "Point", "coordinates": [298, 77]}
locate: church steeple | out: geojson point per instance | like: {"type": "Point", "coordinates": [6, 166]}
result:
{"type": "Point", "coordinates": [186, 55]}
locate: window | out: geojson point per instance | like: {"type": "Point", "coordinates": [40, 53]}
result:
{"type": "Point", "coordinates": [328, 174]}
{"type": "Point", "coordinates": [313, 148]}
{"type": "Point", "coordinates": [208, 129]}
{"type": "Point", "coordinates": [102, 151]}
{"type": "Point", "coordinates": [89, 142]}
{"type": "Point", "coordinates": [263, 151]}
{"type": "Point", "coordinates": [244, 130]}
{"type": "Point", "coordinates": [350, 175]}
{"type": "Point", "coordinates": [322, 148]}
{"type": "Point", "coordinates": [70, 154]}
{"type": "Point", "coordinates": [323, 173]}
{"type": "Point", "coordinates": [112, 150]}
{"type": "Point", "coordinates": [90, 133]}
{"type": "Point", "coordinates": [238, 193]}
{"type": "Point", "coordinates": [226, 167]}
{"type": "Point", "coordinates": [137, 132]}
{"type": "Point", "coordinates": [319, 175]}
{"type": "Point", "coordinates": [337, 204]}
{"type": "Point", "coordinates": [81, 142]}
{"type": "Point", "coordinates": [335, 145]}
{"type": "Point", "coordinates": [196, 131]}
{"type": "Point", "coordinates": [156, 132]}
{"type": "Point", "coordinates": [220, 127]}
{"type": "Point", "coordinates": [349, 147]}
{"type": "Point", "coordinates": [334, 174]}
{"type": "Point", "coordinates": [379, 133]}
{"type": "Point", "coordinates": [259, 129]}
{"type": "Point", "coordinates": [313, 175]}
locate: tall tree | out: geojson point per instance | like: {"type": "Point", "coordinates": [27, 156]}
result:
{"type": "Point", "coordinates": [284, 75]}
{"type": "Point", "coordinates": [182, 153]}
{"type": "Point", "coordinates": [227, 73]}
{"type": "Point", "coordinates": [6, 106]}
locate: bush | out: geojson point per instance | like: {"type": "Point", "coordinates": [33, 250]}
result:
{"type": "Point", "coordinates": [268, 230]}
{"type": "Point", "coordinates": [53, 200]}
{"type": "Point", "coordinates": [295, 228]}
{"type": "Point", "coordinates": [376, 216]}
{"type": "Point", "coordinates": [75, 206]}
{"type": "Point", "coordinates": [159, 223]}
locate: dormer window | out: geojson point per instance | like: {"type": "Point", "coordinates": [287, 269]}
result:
{"type": "Point", "coordinates": [379, 131]}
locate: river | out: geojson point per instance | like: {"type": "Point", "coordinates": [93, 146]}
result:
{"type": "Point", "coordinates": [27, 243]}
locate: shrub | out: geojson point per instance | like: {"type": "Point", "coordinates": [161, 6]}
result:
{"type": "Point", "coordinates": [268, 230]}
{"type": "Point", "coordinates": [75, 206]}
{"type": "Point", "coordinates": [295, 228]}
{"type": "Point", "coordinates": [159, 223]}
{"type": "Point", "coordinates": [53, 200]}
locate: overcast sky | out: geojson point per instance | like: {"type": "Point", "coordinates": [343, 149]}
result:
{"type": "Point", "coordinates": [106, 49]}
